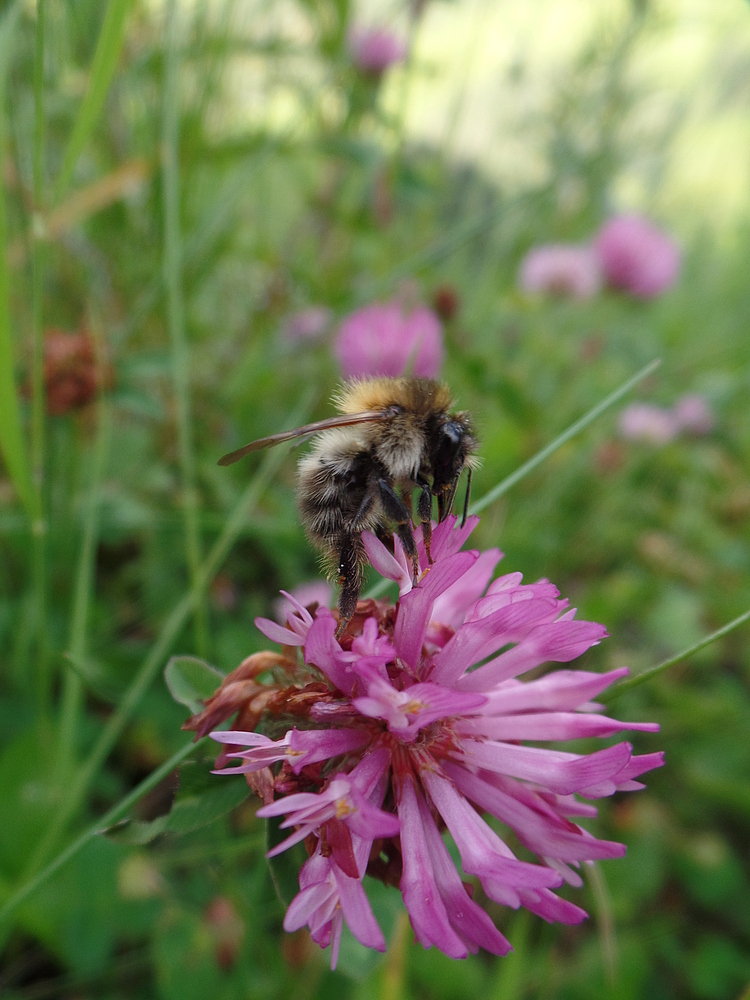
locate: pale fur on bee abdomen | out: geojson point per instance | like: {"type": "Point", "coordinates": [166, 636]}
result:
{"type": "Point", "coordinates": [333, 480]}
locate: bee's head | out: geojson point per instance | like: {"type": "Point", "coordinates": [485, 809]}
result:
{"type": "Point", "coordinates": [452, 443]}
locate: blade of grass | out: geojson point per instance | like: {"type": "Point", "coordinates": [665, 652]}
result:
{"type": "Point", "coordinates": [523, 470]}
{"type": "Point", "coordinates": [561, 439]}
{"type": "Point", "coordinates": [11, 438]}
{"type": "Point", "coordinates": [72, 685]}
{"type": "Point", "coordinates": [116, 812]}
{"type": "Point", "coordinates": [647, 675]}
{"type": "Point", "coordinates": [169, 631]}
{"type": "Point", "coordinates": [39, 523]}
{"type": "Point", "coordinates": [103, 66]}
{"type": "Point", "coordinates": [172, 269]}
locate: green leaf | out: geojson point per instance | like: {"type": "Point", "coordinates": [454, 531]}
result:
{"type": "Point", "coordinates": [202, 798]}
{"type": "Point", "coordinates": [103, 67]}
{"type": "Point", "coordinates": [11, 439]}
{"type": "Point", "coordinates": [191, 681]}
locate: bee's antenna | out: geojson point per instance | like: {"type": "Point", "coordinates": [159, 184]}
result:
{"type": "Point", "coordinates": [466, 498]}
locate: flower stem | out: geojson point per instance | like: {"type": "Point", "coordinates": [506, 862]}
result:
{"type": "Point", "coordinates": [172, 268]}
{"type": "Point", "coordinates": [646, 675]}
{"type": "Point", "coordinates": [38, 521]}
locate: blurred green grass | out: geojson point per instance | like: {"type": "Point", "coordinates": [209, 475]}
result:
{"type": "Point", "coordinates": [293, 190]}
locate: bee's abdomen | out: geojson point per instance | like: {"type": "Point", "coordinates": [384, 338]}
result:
{"type": "Point", "coordinates": [332, 487]}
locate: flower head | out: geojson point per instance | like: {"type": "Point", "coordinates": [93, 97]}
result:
{"type": "Point", "coordinates": [636, 256]}
{"type": "Point", "coordinates": [307, 324]}
{"type": "Point", "coordinates": [646, 422]}
{"type": "Point", "coordinates": [373, 50]}
{"type": "Point", "coordinates": [561, 269]}
{"type": "Point", "coordinates": [694, 415]}
{"type": "Point", "coordinates": [415, 723]}
{"type": "Point", "coordinates": [385, 339]}
{"type": "Point", "coordinates": [72, 376]}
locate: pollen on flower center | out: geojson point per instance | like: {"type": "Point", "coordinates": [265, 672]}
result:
{"type": "Point", "coordinates": [344, 808]}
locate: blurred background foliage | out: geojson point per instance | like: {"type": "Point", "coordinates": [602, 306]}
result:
{"type": "Point", "coordinates": [177, 181]}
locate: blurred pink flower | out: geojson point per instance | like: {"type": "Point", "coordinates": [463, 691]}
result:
{"type": "Point", "coordinates": [373, 50]}
{"type": "Point", "coordinates": [383, 339]}
{"type": "Point", "coordinates": [561, 269]}
{"type": "Point", "coordinates": [315, 592]}
{"type": "Point", "coordinates": [646, 422]}
{"type": "Point", "coordinates": [694, 415]}
{"type": "Point", "coordinates": [307, 324]}
{"type": "Point", "coordinates": [636, 256]}
{"type": "Point", "coordinates": [419, 718]}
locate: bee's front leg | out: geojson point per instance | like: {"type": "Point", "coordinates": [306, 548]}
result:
{"type": "Point", "coordinates": [397, 511]}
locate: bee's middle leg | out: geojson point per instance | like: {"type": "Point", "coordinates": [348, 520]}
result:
{"type": "Point", "coordinates": [424, 510]}
{"type": "Point", "coordinates": [397, 511]}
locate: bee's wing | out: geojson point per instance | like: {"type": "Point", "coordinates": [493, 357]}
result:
{"type": "Point", "coordinates": [344, 420]}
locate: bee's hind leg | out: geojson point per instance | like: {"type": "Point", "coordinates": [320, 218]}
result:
{"type": "Point", "coordinates": [397, 511]}
{"type": "Point", "coordinates": [351, 557]}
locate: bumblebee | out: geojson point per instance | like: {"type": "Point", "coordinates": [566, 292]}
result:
{"type": "Point", "coordinates": [392, 437]}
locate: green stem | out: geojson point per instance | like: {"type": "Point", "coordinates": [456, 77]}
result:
{"type": "Point", "coordinates": [38, 524]}
{"type": "Point", "coordinates": [72, 688]}
{"type": "Point", "coordinates": [155, 660]}
{"type": "Point", "coordinates": [646, 675]}
{"type": "Point", "coordinates": [116, 812]}
{"type": "Point", "coordinates": [562, 439]}
{"type": "Point", "coordinates": [172, 269]}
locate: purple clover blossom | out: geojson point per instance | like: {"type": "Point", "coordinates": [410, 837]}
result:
{"type": "Point", "coordinates": [416, 722]}
{"type": "Point", "coordinates": [385, 338]}
{"type": "Point", "coordinates": [373, 50]}
{"type": "Point", "coordinates": [636, 256]}
{"type": "Point", "coordinates": [561, 269]}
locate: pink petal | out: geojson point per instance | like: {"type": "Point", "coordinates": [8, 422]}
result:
{"type": "Point", "coordinates": [415, 610]}
{"type": "Point", "coordinates": [551, 726]}
{"type": "Point", "coordinates": [477, 639]}
{"type": "Point", "coordinates": [560, 772]}
{"type": "Point", "coordinates": [422, 899]}
{"type": "Point", "coordinates": [278, 633]}
{"type": "Point", "coordinates": [560, 689]}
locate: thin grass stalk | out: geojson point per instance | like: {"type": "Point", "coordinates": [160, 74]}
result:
{"type": "Point", "coordinates": [39, 524]}
{"type": "Point", "coordinates": [72, 685]}
{"type": "Point", "coordinates": [12, 443]}
{"type": "Point", "coordinates": [99, 826]}
{"type": "Point", "coordinates": [151, 666]}
{"type": "Point", "coordinates": [576, 428]}
{"type": "Point", "coordinates": [103, 66]}
{"type": "Point", "coordinates": [172, 268]}
{"type": "Point", "coordinates": [648, 675]}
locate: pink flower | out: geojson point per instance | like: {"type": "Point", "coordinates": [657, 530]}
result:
{"type": "Point", "coordinates": [373, 50]}
{"type": "Point", "coordinates": [694, 415]}
{"type": "Point", "coordinates": [307, 594]}
{"type": "Point", "coordinates": [418, 720]}
{"type": "Point", "coordinates": [307, 324]}
{"type": "Point", "coordinates": [383, 339]}
{"type": "Point", "coordinates": [646, 422]}
{"type": "Point", "coordinates": [636, 256]}
{"type": "Point", "coordinates": [561, 269]}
